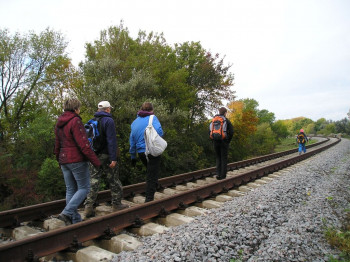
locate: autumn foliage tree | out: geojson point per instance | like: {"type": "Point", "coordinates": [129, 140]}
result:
{"type": "Point", "coordinates": [244, 120]}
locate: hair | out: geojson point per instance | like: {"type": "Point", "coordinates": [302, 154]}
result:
{"type": "Point", "coordinates": [222, 110]}
{"type": "Point", "coordinates": [147, 106]}
{"type": "Point", "coordinates": [72, 104]}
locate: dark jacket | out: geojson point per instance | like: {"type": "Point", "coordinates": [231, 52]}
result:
{"type": "Point", "coordinates": [71, 144]}
{"type": "Point", "coordinates": [306, 139]}
{"type": "Point", "coordinates": [108, 129]}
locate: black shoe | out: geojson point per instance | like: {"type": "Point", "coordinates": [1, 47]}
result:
{"type": "Point", "coordinates": [66, 219]}
{"type": "Point", "coordinates": [220, 177]}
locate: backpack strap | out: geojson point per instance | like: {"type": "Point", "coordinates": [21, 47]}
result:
{"type": "Point", "coordinates": [150, 120]}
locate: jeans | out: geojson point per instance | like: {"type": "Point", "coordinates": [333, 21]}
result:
{"type": "Point", "coordinates": [221, 151]}
{"type": "Point", "coordinates": [302, 148]}
{"type": "Point", "coordinates": [77, 179]}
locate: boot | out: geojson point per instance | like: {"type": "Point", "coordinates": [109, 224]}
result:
{"type": "Point", "coordinates": [66, 219]}
{"type": "Point", "coordinates": [89, 211]}
{"type": "Point", "coordinates": [116, 207]}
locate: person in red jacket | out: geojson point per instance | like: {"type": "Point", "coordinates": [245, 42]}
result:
{"type": "Point", "coordinates": [73, 152]}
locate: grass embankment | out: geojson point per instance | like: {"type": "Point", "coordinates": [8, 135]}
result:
{"type": "Point", "coordinates": [290, 143]}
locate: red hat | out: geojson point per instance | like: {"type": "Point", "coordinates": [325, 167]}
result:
{"type": "Point", "coordinates": [302, 130]}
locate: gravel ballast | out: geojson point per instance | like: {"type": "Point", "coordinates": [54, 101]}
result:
{"type": "Point", "coordinates": [283, 220]}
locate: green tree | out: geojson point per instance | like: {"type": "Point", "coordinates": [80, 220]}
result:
{"type": "Point", "coordinates": [263, 141]}
{"type": "Point", "coordinates": [34, 69]}
{"type": "Point", "coordinates": [280, 129]}
{"type": "Point", "coordinates": [183, 83]}
{"type": "Point", "coordinates": [266, 117]}
{"type": "Point", "coordinates": [24, 63]}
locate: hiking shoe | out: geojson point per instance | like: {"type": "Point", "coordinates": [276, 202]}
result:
{"type": "Point", "coordinates": [119, 207]}
{"type": "Point", "coordinates": [89, 211]}
{"type": "Point", "coordinates": [66, 219]}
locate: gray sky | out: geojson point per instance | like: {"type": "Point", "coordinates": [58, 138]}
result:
{"type": "Point", "coordinates": [292, 56]}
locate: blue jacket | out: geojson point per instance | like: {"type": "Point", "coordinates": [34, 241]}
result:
{"type": "Point", "coordinates": [108, 129]}
{"type": "Point", "coordinates": [137, 141]}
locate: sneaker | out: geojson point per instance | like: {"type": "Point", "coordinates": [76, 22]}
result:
{"type": "Point", "coordinates": [66, 219]}
{"type": "Point", "coordinates": [89, 211]}
{"type": "Point", "coordinates": [119, 207]}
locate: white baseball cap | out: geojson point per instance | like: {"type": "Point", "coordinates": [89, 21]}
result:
{"type": "Point", "coordinates": [104, 104]}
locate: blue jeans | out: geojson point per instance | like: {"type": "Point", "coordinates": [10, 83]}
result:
{"type": "Point", "coordinates": [77, 179]}
{"type": "Point", "coordinates": [302, 148]}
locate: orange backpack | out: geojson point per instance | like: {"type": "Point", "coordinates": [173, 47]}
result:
{"type": "Point", "coordinates": [218, 128]}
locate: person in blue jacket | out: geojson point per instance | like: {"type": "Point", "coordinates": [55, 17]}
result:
{"type": "Point", "coordinates": [138, 147]}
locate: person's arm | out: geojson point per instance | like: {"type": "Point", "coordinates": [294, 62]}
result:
{"type": "Point", "coordinates": [57, 144]}
{"type": "Point", "coordinates": [157, 126]}
{"type": "Point", "coordinates": [230, 130]}
{"type": "Point", "coordinates": [132, 141]}
{"type": "Point", "coordinates": [111, 138]}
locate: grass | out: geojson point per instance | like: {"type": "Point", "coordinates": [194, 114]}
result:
{"type": "Point", "coordinates": [340, 237]}
{"type": "Point", "coordinates": [290, 143]}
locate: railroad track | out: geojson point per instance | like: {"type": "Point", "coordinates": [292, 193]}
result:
{"type": "Point", "coordinates": [200, 185]}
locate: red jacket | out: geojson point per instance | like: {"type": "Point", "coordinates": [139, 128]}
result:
{"type": "Point", "coordinates": [72, 145]}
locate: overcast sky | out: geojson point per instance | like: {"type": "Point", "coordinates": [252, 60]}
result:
{"type": "Point", "coordinates": [292, 56]}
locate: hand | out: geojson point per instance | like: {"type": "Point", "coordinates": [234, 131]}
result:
{"type": "Point", "coordinates": [133, 162]}
{"type": "Point", "coordinates": [113, 164]}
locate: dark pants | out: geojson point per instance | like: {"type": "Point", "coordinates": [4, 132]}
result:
{"type": "Point", "coordinates": [152, 165]}
{"type": "Point", "coordinates": [221, 149]}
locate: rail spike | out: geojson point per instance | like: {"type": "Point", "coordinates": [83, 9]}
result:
{"type": "Point", "coordinates": [138, 222]}
{"type": "Point", "coordinates": [224, 190]}
{"type": "Point", "coordinates": [182, 205]}
{"type": "Point", "coordinates": [199, 199]}
{"type": "Point", "coordinates": [213, 194]}
{"type": "Point", "coordinates": [75, 245]}
{"type": "Point", "coordinates": [108, 234]}
{"type": "Point", "coordinates": [163, 212]}
{"type": "Point", "coordinates": [30, 256]}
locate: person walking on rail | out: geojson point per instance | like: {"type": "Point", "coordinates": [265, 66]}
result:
{"type": "Point", "coordinates": [72, 150]}
{"type": "Point", "coordinates": [221, 133]}
{"type": "Point", "coordinates": [301, 140]}
{"type": "Point", "coordinates": [107, 154]}
{"type": "Point", "coordinates": [137, 146]}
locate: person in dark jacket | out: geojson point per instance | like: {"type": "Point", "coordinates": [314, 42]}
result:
{"type": "Point", "coordinates": [138, 146]}
{"type": "Point", "coordinates": [301, 140]}
{"type": "Point", "coordinates": [72, 150]}
{"type": "Point", "coordinates": [108, 157]}
{"type": "Point", "coordinates": [221, 147]}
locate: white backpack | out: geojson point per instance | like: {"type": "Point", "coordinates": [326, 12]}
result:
{"type": "Point", "coordinates": [155, 144]}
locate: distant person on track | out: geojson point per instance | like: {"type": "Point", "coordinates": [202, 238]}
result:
{"type": "Point", "coordinates": [72, 150]}
{"type": "Point", "coordinates": [137, 146]}
{"type": "Point", "coordinates": [108, 157]}
{"type": "Point", "coordinates": [221, 133]}
{"type": "Point", "coordinates": [301, 140]}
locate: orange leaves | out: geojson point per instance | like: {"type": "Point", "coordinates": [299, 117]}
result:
{"type": "Point", "coordinates": [245, 121]}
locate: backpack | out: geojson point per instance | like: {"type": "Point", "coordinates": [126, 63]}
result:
{"type": "Point", "coordinates": [155, 144]}
{"type": "Point", "coordinates": [95, 134]}
{"type": "Point", "coordinates": [301, 138]}
{"type": "Point", "coordinates": [218, 128]}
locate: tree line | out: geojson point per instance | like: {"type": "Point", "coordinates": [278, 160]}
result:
{"type": "Point", "coordinates": [185, 82]}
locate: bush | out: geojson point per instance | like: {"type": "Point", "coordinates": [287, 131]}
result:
{"type": "Point", "coordinates": [50, 180]}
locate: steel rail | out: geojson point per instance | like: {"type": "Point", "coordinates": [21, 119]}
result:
{"type": "Point", "coordinates": [13, 217]}
{"type": "Point", "coordinates": [61, 239]}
